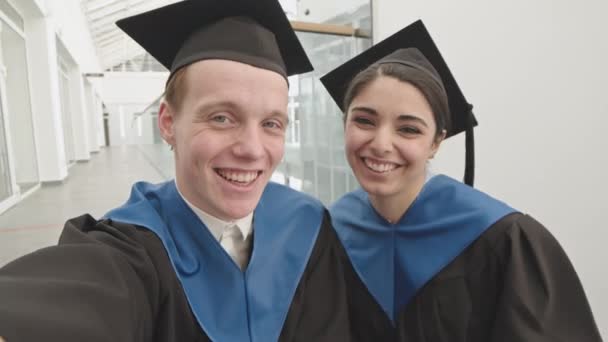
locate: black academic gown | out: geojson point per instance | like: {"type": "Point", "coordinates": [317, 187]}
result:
{"type": "Point", "coordinates": [462, 266]}
{"type": "Point", "coordinates": [113, 280]}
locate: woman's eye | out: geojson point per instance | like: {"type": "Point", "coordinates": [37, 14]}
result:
{"type": "Point", "coordinates": [363, 121]}
{"type": "Point", "coordinates": [409, 130]}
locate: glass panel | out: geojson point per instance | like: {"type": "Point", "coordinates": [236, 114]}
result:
{"type": "Point", "coordinates": [141, 63]}
{"type": "Point", "coordinates": [19, 108]}
{"type": "Point", "coordinates": [316, 163]}
{"type": "Point", "coordinates": [5, 173]}
{"type": "Point", "coordinates": [355, 13]}
{"type": "Point", "coordinates": [340, 181]}
{"type": "Point", "coordinates": [149, 118]}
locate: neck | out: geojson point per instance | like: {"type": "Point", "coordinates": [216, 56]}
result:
{"type": "Point", "coordinates": [393, 207]}
{"type": "Point", "coordinates": [198, 209]}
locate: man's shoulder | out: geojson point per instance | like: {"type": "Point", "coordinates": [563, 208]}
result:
{"type": "Point", "coordinates": [86, 229]}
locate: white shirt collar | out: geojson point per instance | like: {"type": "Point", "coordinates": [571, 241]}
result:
{"type": "Point", "coordinates": [217, 226]}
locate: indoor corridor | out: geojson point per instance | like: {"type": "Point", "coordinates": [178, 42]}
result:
{"type": "Point", "coordinates": [93, 187]}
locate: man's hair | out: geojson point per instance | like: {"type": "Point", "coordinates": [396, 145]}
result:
{"type": "Point", "coordinates": [176, 89]}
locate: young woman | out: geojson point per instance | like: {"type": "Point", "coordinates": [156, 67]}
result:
{"type": "Point", "coordinates": [445, 262]}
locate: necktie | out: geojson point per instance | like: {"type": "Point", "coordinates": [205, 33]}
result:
{"type": "Point", "coordinates": [235, 245]}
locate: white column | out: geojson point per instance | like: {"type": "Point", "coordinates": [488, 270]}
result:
{"type": "Point", "coordinates": [46, 107]}
{"type": "Point", "coordinates": [92, 113]}
{"type": "Point", "coordinates": [101, 133]}
{"type": "Point", "coordinates": [14, 188]}
{"type": "Point", "coordinates": [80, 116]}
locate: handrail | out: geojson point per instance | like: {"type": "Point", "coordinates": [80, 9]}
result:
{"type": "Point", "coordinates": [150, 106]}
{"type": "Point", "coordinates": [332, 29]}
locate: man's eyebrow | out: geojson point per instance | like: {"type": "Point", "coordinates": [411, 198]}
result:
{"type": "Point", "coordinates": [283, 115]}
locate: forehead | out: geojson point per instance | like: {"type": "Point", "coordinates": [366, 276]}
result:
{"type": "Point", "coordinates": [245, 88]}
{"type": "Point", "coordinates": [214, 74]}
{"type": "Point", "coordinates": [390, 96]}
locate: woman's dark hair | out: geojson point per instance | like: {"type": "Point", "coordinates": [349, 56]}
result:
{"type": "Point", "coordinates": [433, 92]}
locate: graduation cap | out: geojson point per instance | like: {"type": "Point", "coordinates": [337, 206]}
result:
{"type": "Point", "coordinates": [420, 50]}
{"type": "Point", "coordinates": [254, 32]}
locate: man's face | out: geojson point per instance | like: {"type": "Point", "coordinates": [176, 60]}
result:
{"type": "Point", "coordinates": [228, 135]}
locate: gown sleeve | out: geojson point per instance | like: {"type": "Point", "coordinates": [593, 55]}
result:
{"type": "Point", "coordinates": [97, 284]}
{"type": "Point", "coordinates": [330, 303]}
{"type": "Point", "coordinates": [542, 299]}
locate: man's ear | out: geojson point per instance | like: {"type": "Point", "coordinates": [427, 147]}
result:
{"type": "Point", "coordinates": [166, 120]}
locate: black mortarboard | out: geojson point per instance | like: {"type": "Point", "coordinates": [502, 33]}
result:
{"type": "Point", "coordinates": [254, 32]}
{"type": "Point", "coordinates": [413, 36]}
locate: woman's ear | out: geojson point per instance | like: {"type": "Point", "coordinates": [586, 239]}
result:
{"type": "Point", "coordinates": [166, 119]}
{"type": "Point", "coordinates": [436, 143]}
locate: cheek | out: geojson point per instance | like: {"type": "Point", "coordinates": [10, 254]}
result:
{"type": "Point", "coordinates": [276, 148]}
{"type": "Point", "coordinates": [200, 149]}
{"type": "Point", "coordinates": [414, 152]}
{"type": "Point", "coordinates": [353, 140]}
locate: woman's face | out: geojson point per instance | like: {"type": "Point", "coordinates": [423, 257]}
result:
{"type": "Point", "coordinates": [390, 135]}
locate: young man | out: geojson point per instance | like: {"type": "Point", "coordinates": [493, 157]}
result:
{"type": "Point", "coordinates": [218, 254]}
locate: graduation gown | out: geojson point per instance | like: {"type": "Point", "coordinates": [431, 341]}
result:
{"type": "Point", "coordinates": [461, 266]}
{"type": "Point", "coordinates": [151, 271]}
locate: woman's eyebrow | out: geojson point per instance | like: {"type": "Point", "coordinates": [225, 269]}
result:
{"type": "Point", "coordinates": [408, 117]}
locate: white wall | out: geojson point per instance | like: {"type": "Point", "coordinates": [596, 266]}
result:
{"type": "Point", "coordinates": [72, 29]}
{"type": "Point", "coordinates": [126, 94]}
{"type": "Point", "coordinates": [42, 70]}
{"type": "Point", "coordinates": [536, 73]}
{"type": "Point", "coordinates": [93, 118]}
{"type": "Point", "coordinates": [71, 25]}
{"type": "Point", "coordinates": [80, 117]}
{"type": "Point", "coordinates": [19, 104]}
{"type": "Point", "coordinates": [45, 20]}
{"type": "Point", "coordinates": [133, 87]}
{"type": "Point", "coordinates": [101, 140]}
{"type": "Point", "coordinates": [46, 105]}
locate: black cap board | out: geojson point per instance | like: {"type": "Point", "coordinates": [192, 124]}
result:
{"type": "Point", "coordinates": [252, 32]}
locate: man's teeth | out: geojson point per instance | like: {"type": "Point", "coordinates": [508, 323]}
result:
{"type": "Point", "coordinates": [239, 177]}
{"type": "Point", "coordinates": [379, 167]}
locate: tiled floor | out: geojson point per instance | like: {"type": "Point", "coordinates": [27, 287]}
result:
{"type": "Point", "coordinates": [92, 187]}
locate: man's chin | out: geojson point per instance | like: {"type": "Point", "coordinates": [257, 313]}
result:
{"type": "Point", "coordinates": [237, 207]}
{"type": "Point", "coordinates": [238, 212]}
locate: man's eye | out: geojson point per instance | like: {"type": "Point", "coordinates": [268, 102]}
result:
{"type": "Point", "coordinates": [220, 118]}
{"type": "Point", "coordinates": [272, 124]}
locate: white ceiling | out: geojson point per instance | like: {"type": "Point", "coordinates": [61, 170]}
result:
{"type": "Point", "coordinates": [114, 46]}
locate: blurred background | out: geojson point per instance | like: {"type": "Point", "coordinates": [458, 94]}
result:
{"type": "Point", "coordinates": [79, 103]}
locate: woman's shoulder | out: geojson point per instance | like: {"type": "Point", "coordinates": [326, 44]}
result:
{"type": "Point", "coordinates": [513, 236]}
{"type": "Point", "coordinates": [515, 225]}
{"type": "Point", "coordinates": [520, 233]}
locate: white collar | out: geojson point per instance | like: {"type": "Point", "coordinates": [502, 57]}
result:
{"type": "Point", "coordinates": [217, 226]}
